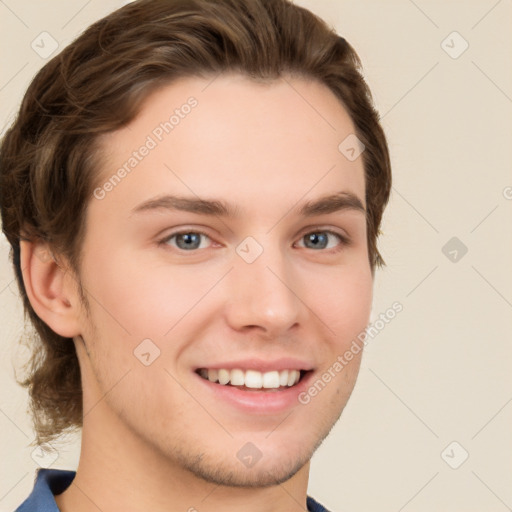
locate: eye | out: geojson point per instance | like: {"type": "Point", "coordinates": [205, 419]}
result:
{"type": "Point", "coordinates": [185, 240]}
{"type": "Point", "coordinates": [320, 240]}
{"type": "Point", "coordinates": [192, 240]}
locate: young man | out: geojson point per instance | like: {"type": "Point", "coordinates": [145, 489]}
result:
{"type": "Point", "coordinates": [193, 192]}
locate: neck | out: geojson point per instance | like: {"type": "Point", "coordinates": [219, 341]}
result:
{"type": "Point", "coordinates": [118, 470]}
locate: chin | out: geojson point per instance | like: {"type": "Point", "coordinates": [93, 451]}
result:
{"type": "Point", "coordinates": [278, 460]}
{"type": "Point", "coordinates": [234, 474]}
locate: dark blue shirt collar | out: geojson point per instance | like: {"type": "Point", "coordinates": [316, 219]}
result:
{"type": "Point", "coordinates": [48, 482]}
{"type": "Point", "coordinates": [55, 481]}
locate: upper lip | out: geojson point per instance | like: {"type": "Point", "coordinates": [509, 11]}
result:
{"type": "Point", "coordinates": [285, 363]}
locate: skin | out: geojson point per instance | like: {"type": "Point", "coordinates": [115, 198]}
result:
{"type": "Point", "coordinates": [151, 439]}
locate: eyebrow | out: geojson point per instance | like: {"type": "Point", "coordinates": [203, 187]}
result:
{"type": "Point", "coordinates": [215, 207]}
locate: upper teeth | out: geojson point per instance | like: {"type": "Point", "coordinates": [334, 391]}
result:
{"type": "Point", "coordinates": [252, 378]}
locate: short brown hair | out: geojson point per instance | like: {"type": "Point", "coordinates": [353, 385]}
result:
{"type": "Point", "coordinates": [49, 156]}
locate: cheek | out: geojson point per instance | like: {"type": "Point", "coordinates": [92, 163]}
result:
{"type": "Point", "coordinates": [144, 299]}
{"type": "Point", "coordinates": [128, 295]}
{"type": "Point", "coordinates": [343, 301]}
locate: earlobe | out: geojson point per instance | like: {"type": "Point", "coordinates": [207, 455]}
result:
{"type": "Point", "coordinates": [50, 288]}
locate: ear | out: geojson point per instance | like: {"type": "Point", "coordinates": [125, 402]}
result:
{"type": "Point", "coordinates": [51, 289]}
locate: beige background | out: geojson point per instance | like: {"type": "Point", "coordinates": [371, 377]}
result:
{"type": "Point", "coordinates": [440, 371]}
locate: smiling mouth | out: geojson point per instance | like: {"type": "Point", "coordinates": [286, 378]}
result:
{"type": "Point", "coordinates": [253, 380]}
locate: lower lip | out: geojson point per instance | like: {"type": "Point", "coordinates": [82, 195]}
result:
{"type": "Point", "coordinates": [259, 402]}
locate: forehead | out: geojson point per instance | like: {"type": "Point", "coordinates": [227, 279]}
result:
{"type": "Point", "coordinates": [232, 135]}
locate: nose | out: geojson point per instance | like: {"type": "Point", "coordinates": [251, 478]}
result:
{"type": "Point", "coordinates": [264, 296]}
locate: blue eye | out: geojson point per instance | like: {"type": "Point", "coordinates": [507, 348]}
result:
{"type": "Point", "coordinates": [320, 240]}
{"type": "Point", "coordinates": [317, 240]}
{"type": "Point", "coordinates": [186, 240]}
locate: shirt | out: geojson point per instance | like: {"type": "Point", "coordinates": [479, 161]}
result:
{"type": "Point", "coordinates": [55, 481]}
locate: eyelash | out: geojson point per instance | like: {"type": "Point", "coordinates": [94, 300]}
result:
{"type": "Point", "coordinates": [344, 241]}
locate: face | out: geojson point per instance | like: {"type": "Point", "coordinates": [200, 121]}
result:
{"type": "Point", "coordinates": [222, 283]}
